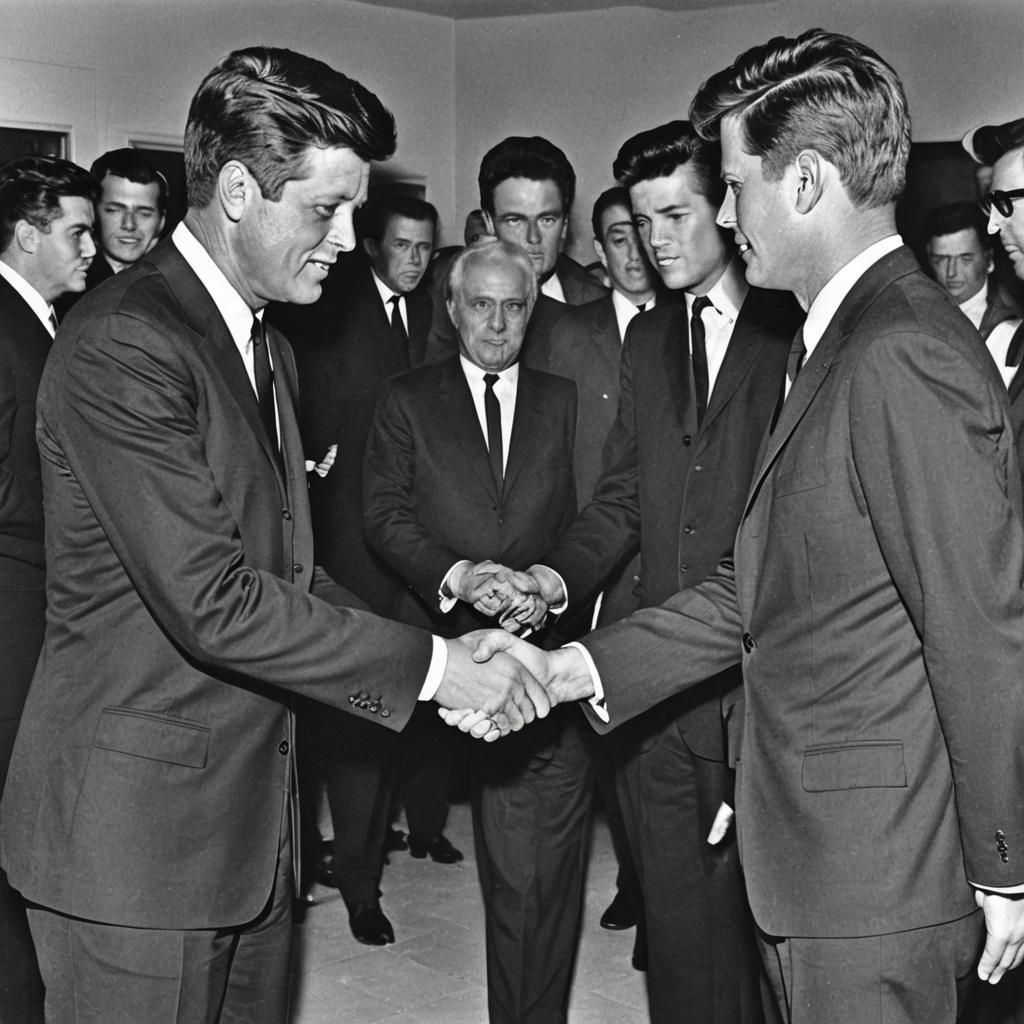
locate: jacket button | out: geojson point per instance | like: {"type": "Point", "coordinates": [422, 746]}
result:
{"type": "Point", "coordinates": [297, 568]}
{"type": "Point", "coordinates": [385, 713]}
{"type": "Point", "coordinates": [698, 469]}
{"type": "Point", "coordinates": [286, 513]}
{"type": "Point", "coordinates": [687, 529]}
{"type": "Point", "coordinates": [684, 568]}
{"type": "Point", "coordinates": [748, 643]}
{"type": "Point", "coordinates": [282, 747]}
{"type": "Point", "coordinates": [686, 440]}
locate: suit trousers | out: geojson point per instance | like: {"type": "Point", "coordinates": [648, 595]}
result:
{"type": "Point", "coordinates": [22, 618]}
{"type": "Point", "coordinates": [531, 815]}
{"type": "Point", "coordinates": [921, 976]}
{"type": "Point", "coordinates": [106, 974]}
{"type": "Point", "coordinates": [703, 965]}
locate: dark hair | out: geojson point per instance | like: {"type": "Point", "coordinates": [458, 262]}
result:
{"type": "Point", "coordinates": [32, 187]}
{"type": "Point", "coordinates": [819, 91]}
{"type": "Point", "coordinates": [520, 157]}
{"type": "Point", "coordinates": [615, 196]}
{"type": "Point", "coordinates": [954, 217]}
{"type": "Point", "coordinates": [374, 218]}
{"type": "Point", "coordinates": [657, 152]}
{"type": "Point", "coordinates": [265, 107]}
{"type": "Point", "coordinates": [130, 164]}
{"type": "Point", "coordinates": [992, 141]}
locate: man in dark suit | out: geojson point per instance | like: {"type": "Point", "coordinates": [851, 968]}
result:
{"type": "Point", "coordinates": [585, 346]}
{"type": "Point", "coordinates": [147, 812]}
{"type": "Point", "coordinates": [874, 591]}
{"type": "Point", "coordinates": [959, 253]}
{"type": "Point", "coordinates": [470, 460]}
{"type": "Point", "coordinates": [46, 247]}
{"type": "Point", "coordinates": [700, 381]}
{"type": "Point", "coordinates": [369, 325]}
{"type": "Point", "coordinates": [130, 214]}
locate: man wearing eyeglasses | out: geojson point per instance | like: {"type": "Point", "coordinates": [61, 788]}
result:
{"type": "Point", "coordinates": [1002, 147]}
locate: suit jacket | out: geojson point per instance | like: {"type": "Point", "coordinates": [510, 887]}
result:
{"type": "Point", "coordinates": [24, 346]}
{"type": "Point", "coordinates": [346, 352]}
{"type": "Point", "coordinates": [429, 492]}
{"type": "Point", "coordinates": [578, 285]}
{"type": "Point", "coordinates": [150, 777]}
{"type": "Point", "coordinates": [673, 488]}
{"type": "Point", "coordinates": [875, 600]}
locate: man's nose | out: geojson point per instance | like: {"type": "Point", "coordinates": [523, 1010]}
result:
{"type": "Point", "coordinates": [727, 211]}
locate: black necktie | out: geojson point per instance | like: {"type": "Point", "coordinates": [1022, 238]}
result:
{"type": "Point", "coordinates": [797, 351]}
{"type": "Point", "coordinates": [699, 355]}
{"type": "Point", "coordinates": [492, 410]}
{"type": "Point", "coordinates": [264, 382]}
{"type": "Point", "coordinates": [641, 306]}
{"type": "Point", "coordinates": [397, 324]}
{"type": "Point", "coordinates": [53, 319]}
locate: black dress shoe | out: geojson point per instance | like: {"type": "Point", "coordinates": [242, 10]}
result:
{"type": "Point", "coordinates": [369, 925]}
{"type": "Point", "coordinates": [619, 915]}
{"type": "Point", "coordinates": [440, 850]}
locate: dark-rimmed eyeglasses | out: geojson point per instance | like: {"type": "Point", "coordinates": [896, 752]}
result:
{"type": "Point", "coordinates": [1002, 201]}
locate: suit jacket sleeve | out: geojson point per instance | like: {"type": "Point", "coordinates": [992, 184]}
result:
{"type": "Point", "coordinates": [129, 423]}
{"type": "Point", "coordinates": [393, 525]}
{"type": "Point", "coordinates": [942, 489]}
{"type": "Point", "coordinates": [608, 528]}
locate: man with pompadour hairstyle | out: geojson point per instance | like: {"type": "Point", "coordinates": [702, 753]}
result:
{"type": "Point", "coordinates": [148, 814]}
{"type": "Point", "coordinates": [874, 592]}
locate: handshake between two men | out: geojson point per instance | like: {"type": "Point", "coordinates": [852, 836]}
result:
{"type": "Point", "coordinates": [496, 682]}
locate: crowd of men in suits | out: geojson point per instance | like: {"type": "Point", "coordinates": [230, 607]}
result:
{"type": "Point", "coordinates": [756, 507]}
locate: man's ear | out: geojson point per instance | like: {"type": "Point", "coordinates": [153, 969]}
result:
{"type": "Point", "coordinates": [810, 180]}
{"type": "Point", "coordinates": [236, 188]}
{"type": "Point", "coordinates": [599, 249]}
{"type": "Point", "coordinates": [453, 312]}
{"type": "Point", "coordinates": [26, 236]}
{"type": "Point", "coordinates": [489, 222]}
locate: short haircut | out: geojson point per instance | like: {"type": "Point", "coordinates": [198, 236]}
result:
{"type": "Point", "coordinates": [490, 250]}
{"type": "Point", "coordinates": [954, 217]}
{"type": "Point", "coordinates": [265, 107]}
{"type": "Point", "coordinates": [657, 152]}
{"type": "Point", "coordinates": [992, 141]}
{"type": "Point", "coordinates": [615, 196]}
{"type": "Point", "coordinates": [374, 218]}
{"type": "Point", "coordinates": [131, 164]}
{"type": "Point", "coordinates": [32, 187]}
{"type": "Point", "coordinates": [520, 157]}
{"type": "Point", "coordinates": [819, 91]}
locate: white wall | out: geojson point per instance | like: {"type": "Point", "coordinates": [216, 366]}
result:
{"type": "Point", "coordinates": [141, 60]}
{"type": "Point", "coordinates": [589, 81]}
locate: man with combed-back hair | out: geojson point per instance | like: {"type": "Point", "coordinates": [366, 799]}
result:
{"type": "Point", "coordinates": [874, 593]}
{"type": "Point", "coordinates": [148, 816]}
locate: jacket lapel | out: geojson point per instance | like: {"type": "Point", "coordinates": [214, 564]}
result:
{"type": "Point", "coordinates": [676, 347]}
{"type": "Point", "coordinates": [456, 402]}
{"type": "Point", "coordinates": [527, 421]}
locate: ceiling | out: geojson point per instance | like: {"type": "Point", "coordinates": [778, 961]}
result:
{"type": "Point", "coordinates": [461, 9]}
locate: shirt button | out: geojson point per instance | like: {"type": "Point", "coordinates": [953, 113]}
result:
{"type": "Point", "coordinates": [283, 747]}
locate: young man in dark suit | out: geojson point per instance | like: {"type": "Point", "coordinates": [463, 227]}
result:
{"type": "Point", "coordinates": [700, 380]}
{"type": "Point", "coordinates": [470, 461]}
{"type": "Point", "coordinates": [46, 248]}
{"type": "Point", "coordinates": [147, 816]}
{"type": "Point", "coordinates": [874, 594]}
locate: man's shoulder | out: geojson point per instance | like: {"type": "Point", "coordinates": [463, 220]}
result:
{"type": "Point", "coordinates": [578, 284]}
{"type": "Point", "coordinates": [548, 386]}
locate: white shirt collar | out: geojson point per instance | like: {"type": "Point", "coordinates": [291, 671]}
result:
{"type": "Point", "coordinates": [974, 308]}
{"type": "Point", "coordinates": [475, 376]}
{"type": "Point", "coordinates": [552, 288]}
{"type": "Point", "coordinates": [625, 310]}
{"type": "Point", "coordinates": [36, 302]}
{"type": "Point", "coordinates": [232, 307]}
{"type": "Point", "coordinates": [827, 302]}
{"type": "Point", "coordinates": [385, 290]}
{"type": "Point", "coordinates": [727, 294]}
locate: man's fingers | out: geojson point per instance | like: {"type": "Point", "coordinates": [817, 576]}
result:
{"type": "Point", "coordinates": [537, 695]}
{"type": "Point", "coordinates": [490, 643]}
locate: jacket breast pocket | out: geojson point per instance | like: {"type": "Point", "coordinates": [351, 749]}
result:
{"type": "Point", "coordinates": [156, 737]}
{"type": "Point", "coordinates": [866, 764]}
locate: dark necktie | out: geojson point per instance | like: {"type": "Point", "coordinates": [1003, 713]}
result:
{"type": "Point", "coordinates": [492, 411]}
{"type": "Point", "coordinates": [797, 351]}
{"type": "Point", "coordinates": [1013, 353]}
{"type": "Point", "coordinates": [699, 355]}
{"type": "Point", "coordinates": [53, 319]}
{"type": "Point", "coordinates": [397, 324]}
{"type": "Point", "coordinates": [641, 306]}
{"type": "Point", "coordinates": [264, 382]}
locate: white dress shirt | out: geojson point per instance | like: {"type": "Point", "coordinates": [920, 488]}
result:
{"type": "Point", "coordinates": [726, 296]}
{"type": "Point", "coordinates": [552, 288]}
{"type": "Point", "coordinates": [625, 310]}
{"type": "Point", "coordinates": [387, 293]}
{"type": "Point", "coordinates": [974, 307]}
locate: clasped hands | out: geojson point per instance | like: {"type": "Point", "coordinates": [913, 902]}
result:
{"type": "Point", "coordinates": [520, 600]}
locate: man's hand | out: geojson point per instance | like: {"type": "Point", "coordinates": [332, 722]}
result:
{"type": "Point", "coordinates": [1004, 944]}
{"type": "Point", "coordinates": [491, 588]}
{"type": "Point", "coordinates": [501, 693]}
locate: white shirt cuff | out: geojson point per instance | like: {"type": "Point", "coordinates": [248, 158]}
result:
{"type": "Point", "coordinates": [597, 702]}
{"type": "Point", "coordinates": [436, 670]}
{"type": "Point", "coordinates": [446, 604]}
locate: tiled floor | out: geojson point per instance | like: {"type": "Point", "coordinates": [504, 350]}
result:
{"type": "Point", "coordinates": [434, 973]}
